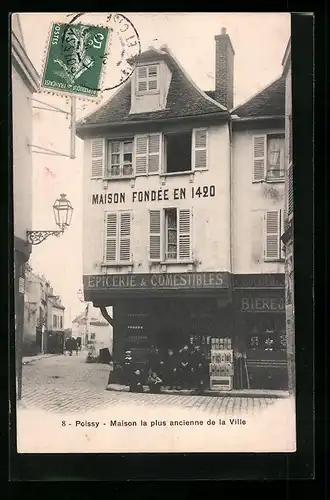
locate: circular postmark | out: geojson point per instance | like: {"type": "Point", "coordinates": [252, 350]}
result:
{"type": "Point", "coordinates": [99, 52]}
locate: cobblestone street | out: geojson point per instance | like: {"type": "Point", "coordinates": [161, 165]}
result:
{"type": "Point", "coordinates": [69, 384]}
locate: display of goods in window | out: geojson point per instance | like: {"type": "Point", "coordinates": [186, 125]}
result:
{"type": "Point", "coordinates": [221, 368]}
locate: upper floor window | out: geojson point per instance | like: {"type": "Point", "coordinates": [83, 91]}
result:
{"type": "Point", "coordinates": [146, 154]}
{"type": "Point", "coordinates": [170, 235]}
{"type": "Point", "coordinates": [54, 321]}
{"type": "Point", "coordinates": [120, 158]}
{"type": "Point", "coordinates": [147, 79]}
{"type": "Point", "coordinates": [61, 321]}
{"type": "Point", "coordinates": [268, 158]}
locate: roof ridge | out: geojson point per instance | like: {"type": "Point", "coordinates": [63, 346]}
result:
{"type": "Point", "coordinates": [223, 108]}
{"type": "Point", "coordinates": [256, 94]}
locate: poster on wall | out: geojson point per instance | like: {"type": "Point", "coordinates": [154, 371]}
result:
{"type": "Point", "coordinates": [161, 347]}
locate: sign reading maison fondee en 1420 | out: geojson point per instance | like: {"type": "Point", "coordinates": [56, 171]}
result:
{"type": "Point", "coordinates": [166, 281]}
{"type": "Point", "coordinates": [153, 195]}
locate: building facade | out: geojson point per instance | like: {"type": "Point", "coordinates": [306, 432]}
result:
{"type": "Point", "coordinates": [43, 316]}
{"type": "Point", "coordinates": [288, 235]}
{"type": "Point", "coordinates": [91, 327]}
{"type": "Point", "coordinates": [174, 221]}
{"type": "Point", "coordinates": [54, 337]}
{"type": "Point", "coordinates": [24, 84]}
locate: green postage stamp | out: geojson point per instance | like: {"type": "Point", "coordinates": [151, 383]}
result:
{"type": "Point", "coordinates": [75, 59]}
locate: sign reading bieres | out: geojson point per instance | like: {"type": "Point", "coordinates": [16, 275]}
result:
{"type": "Point", "coordinates": [157, 281]}
{"type": "Point", "coordinates": [153, 195]}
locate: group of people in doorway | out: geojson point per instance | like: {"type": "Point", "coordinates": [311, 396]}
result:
{"type": "Point", "coordinates": [185, 368]}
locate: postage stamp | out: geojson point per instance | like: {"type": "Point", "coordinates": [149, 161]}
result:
{"type": "Point", "coordinates": [75, 58]}
{"type": "Point", "coordinates": [89, 55]}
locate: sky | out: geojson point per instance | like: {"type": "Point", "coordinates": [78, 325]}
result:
{"type": "Point", "coordinates": [259, 41]}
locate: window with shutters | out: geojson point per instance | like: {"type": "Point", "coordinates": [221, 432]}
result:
{"type": "Point", "coordinates": [120, 159]}
{"type": "Point", "coordinates": [147, 154]}
{"type": "Point", "coordinates": [268, 158]}
{"type": "Point", "coordinates": [147, 79]}
{"type": "Point", "coordinates": [117, 239]}
{"type": "Point", "coordinates": [178, 152]}
{"type": "Point", "coordinates": [272, 235]}
{"type": "Point", "coordinates": [170, 235]}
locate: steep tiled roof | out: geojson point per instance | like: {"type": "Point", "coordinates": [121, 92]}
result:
{"type": "Point", "coordinates": [184, 99]}
{"type": "Point", "coordinates": [268, 102]}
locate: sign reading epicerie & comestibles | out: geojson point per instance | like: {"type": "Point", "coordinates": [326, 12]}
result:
{"type": "Point", "coordinates": [157, 281]}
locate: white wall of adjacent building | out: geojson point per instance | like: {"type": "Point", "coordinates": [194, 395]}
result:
{"type": "Point", "coordinates": [250, 202]}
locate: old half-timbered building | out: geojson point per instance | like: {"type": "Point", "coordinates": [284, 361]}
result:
{"type": "Point", "coordinates": [171, 212]}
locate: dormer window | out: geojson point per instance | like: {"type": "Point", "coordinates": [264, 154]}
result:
{"type": "Point", "coordinates": [147, 80]}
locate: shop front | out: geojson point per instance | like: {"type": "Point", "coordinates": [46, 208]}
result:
{"type": "Point", "coordinates": [260, 331]}
{"type": "Point", "coordinates": [162, 313]}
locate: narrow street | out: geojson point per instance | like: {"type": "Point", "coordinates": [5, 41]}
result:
{"type": "Point", "coordinates": [68, 384]}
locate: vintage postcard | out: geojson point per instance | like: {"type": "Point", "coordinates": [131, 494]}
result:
{"type": "Point", "coordinates": [153, 212]}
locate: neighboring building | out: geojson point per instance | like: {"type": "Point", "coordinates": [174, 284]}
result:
{"type": "Point", "coordinates": [174, 236]}
{"type": "Point", "coordinates": [43, 316]}
{"type": "Point", "coordinates": [288, 223]}
{"type": "Point", "coordinates": [257, 221]}
{"type": "Point", "coordinates": [24, 84]}
{"type": "Point", "coordinates": [91, 327]}
{"type": "Point", "coordinates": [35, 313]}
{"type": "Point", "coordinates": [54, 340]}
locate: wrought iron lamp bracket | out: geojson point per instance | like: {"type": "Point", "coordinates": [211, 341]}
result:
{"type": "Point", "coordinates": [37, 237]}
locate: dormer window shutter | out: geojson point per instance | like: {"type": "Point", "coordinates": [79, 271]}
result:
{"type": "Point", "coordinates": [98, 150]}
{"type": "Point", "coordinates": [152, 77]}
{"type": "Point", "coordinates": [199, 148]}
{"type": "Point", "coordinates": [259, 157]}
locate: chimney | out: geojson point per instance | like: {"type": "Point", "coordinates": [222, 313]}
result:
{"type": "Point", "coordinates": [224, 69]}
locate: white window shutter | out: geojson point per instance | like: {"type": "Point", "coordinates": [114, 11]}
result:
{"type": "Point", "coordinates": [155, 235]}
{"type": "Point", "coordinates": [110, 237]}
{"type": "Point", "coordinates": [97, 147]}
{"type": "Point", "coordinates": [141, 154]}
{"type": "Point", "coordinates": [199, 148]}
{"type": "Point", "coordinates": [154, 151]}
{"type": "Point", "coordinates": [272, 234]}
{"type": "Point", "coordinates": [259, 157]}
{"type": "Point", "coordinates": [184, 234]}
{"type": "Point", "coordinates": [283, 217]}
{"type": "Point", "coordinates": [125, 237]}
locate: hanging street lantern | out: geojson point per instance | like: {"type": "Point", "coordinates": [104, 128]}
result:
{"type": "Point", "coordinates": [63, 210]}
